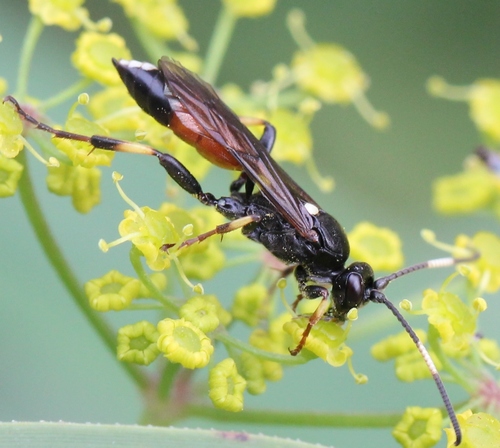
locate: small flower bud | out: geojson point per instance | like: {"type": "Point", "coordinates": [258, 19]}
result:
{"type": "Point", "coordinates": [184, 343]}
{"type": "Point", "coordinates": [137, 343]}
{"type": "Point", "coordinates": [226, 386]}
{"type": "Point", "coordinates": [419, 427]}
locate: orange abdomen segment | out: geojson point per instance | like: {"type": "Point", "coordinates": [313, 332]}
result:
{"type": "Point", "coordinates": [188, 129]}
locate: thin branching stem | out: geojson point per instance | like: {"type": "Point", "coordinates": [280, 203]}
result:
{"type": "Point", "coordinates": [56, 258]}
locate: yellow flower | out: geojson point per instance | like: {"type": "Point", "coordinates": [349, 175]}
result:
{"type": "Point", "coordinates": [329, 72]}
{"type": "Point", "coordinates": [490, 349]}
{"type": "Point", "coordinates": [11, 128]}
{"type": "Point", "coordinates": [253, 371]}
{"type": "Point", "coordinates": [226, 386]}
{"type": "Point", "coordinates": [82, 184]}
{"type": "Point", "coordinates": [93, 53]}
{"type": "Point", "coordinates": [163, 18]}
{"type": "Point", "coordinates": [250, 304]}
{"type": "Point", "coordinates": [82, 153]}
{"type": "Point", "coordinates": [10, 173]}
{"type": "Point", "coordinates": [137, 343]}
{"type": "Point", "coordinates": [454, 320]}
{"type": "Point", "coordinates": [116, 109]}
{"type": "Point", "coordinates": [396, 345]}
{"type": "Point", "coordinates": [295, 141]}
{"type": "Point", "coordinates": [203, 265]}
{"type": "Point", "coordinates": [223, 315]}
{"type": "Point", "coordinates": [201, 313]}
{"type": "Point", "coordinates": [484, 272]}
{"type": "Point", "coordinates": [478, 430]}
{"type": "Point", "coordinates": [149, 230]}
{"type": "Point", "coordinates": [464, 192]}
{"type": "Point", "coordinates": [411, 366]}
{"type": "Point", "coordinates": [183, 343]}
{"type": "Point", "coordinates": [326, 340]}
{"type": "Point", "coordinates": [67, 14]}
{"type": "Point", "coordinates": [419, 427]}
{"type": "Point", "coordinates": [380, 247]}
{"type": "Point", "coordinates": [250, 8]}
{"type": "Point", "coordinates": [484, 104]}
{"type": "Point", "coordinates": [114, 291]}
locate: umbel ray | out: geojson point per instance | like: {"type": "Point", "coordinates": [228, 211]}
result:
{"type": "Point", "coordinates": [279, 215]}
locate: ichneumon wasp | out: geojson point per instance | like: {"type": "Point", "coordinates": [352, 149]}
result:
{"type": "Point", "coordinates": [279, 215]}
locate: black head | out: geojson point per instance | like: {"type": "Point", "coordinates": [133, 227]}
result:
{"type": "Point", "coordinates": [351, 288]}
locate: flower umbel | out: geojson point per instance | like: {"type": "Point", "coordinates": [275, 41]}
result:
{"type": "Point", "coordinates": [319, 73]}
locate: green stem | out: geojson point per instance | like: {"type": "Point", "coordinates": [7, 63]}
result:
{"type": "Point", "coordinates": [167, 379]}
{"type": "Point", "coordinates": [68, 93]}
{"type": "Point", "coordinates": [35, 28]}
{"type": "Point", "coordinates": [218, 44]}
{"type": "Point", "coordinates": [54, 255]}
{"type": "Point", "coordinates": [290, 418]}
{"type": "Point", "coordinates": [135, 259]}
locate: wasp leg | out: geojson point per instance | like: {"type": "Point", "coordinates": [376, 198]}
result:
{"type": "Point", "coordinates": [319, 291]}
{"type": "Point", "coordinates": [175, 169]}
{"type": "Point", "coordinates": [296, 302]}
{"type": "Point", "coordinates": [267, 138]}
{"type": "Point", "coordinates": [222, 229]}
{"type": "Point", "coordinates": [309, 292]}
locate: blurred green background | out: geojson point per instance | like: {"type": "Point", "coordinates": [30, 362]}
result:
{"type": "Point", "coordinates": [53, 366]}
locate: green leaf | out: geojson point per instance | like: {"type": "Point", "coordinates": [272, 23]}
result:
{"type": "Point", "coordinates": [76, 435]}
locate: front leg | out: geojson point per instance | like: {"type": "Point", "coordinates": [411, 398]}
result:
{"type": "Point", "coordinates": [308, 291]}
{"type": "Point", "coordinates": [222, 229]}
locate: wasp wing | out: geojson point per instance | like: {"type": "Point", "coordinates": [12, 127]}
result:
{"type": "Point", "coordinates": [215, 120]}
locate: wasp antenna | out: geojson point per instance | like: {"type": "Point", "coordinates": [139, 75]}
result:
{"type": "Point", "coordinates": [379, 297]}
{"type": "Point", "coordinates": [444, 262]}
